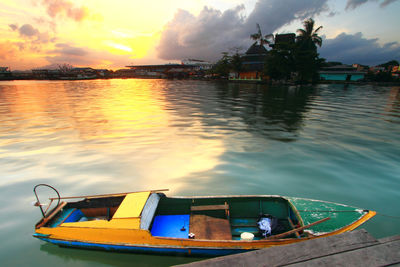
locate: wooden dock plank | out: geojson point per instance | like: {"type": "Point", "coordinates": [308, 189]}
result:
{"type": "Point", "coordinates": [379, 255]}
{"type": "Point", "coordinates": [298, 253]}
{"type": "Point", "coordinates": [389, 239]}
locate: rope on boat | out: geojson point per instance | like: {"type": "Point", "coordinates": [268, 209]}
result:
{"type": "Point", "coordinates": [331, 210]}
{"type": "Point", "coordinates": [378, 213]}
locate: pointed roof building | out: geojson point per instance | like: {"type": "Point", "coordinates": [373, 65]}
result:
{"type": "Point", "coordinates": [254, 58]}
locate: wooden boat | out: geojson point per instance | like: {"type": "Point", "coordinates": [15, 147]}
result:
{"type": "Point", "coordinates": [151, 222]}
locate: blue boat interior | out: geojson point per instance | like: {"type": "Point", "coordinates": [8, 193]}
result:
{"type": "Point", "coordinates": [226, 218]}
{"type": "Point", "coordinates": [171, 226]}
{"type": "Point", "coordinates": [218, 218]}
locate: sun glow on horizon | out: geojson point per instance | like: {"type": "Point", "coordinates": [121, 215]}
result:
{"type": "Point", "coordinates": [42, 33]}
{"type": "Point", "coordinates": [120, 47]}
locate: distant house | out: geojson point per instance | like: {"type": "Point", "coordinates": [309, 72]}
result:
{"type": "Point", "coordinates": [5, 73]}
{"type": "Point", "coordinates": [197, 64]}
{"type": "Point", "coordinates": [163, 71]}
{"type": "Point", "coordinates": [22, 74]}
{"type": "Point", "coordinates": [124, 73]}
{"type": "Point", "coordinates": [103, 73]}
{"type": "Point", "coordinates": [360, 67]}
{"type": "Point", "coordinates": [283, 40]}
{"type": "Point", "coordinates": [341, 73]}
{"type": "Point", "coordinates": [44, 74]}
{"type": "Point", "coordinates": [396, 71]}
{"type": "Point", "coordinates": [83, 73]}
{"type": "Point", "coordinates": [377, 69]}
{"type": "Point", "coordinates": [253, 62]}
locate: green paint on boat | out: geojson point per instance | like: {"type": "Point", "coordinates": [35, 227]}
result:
{"type": "Point", "coordinates": [314, 210]}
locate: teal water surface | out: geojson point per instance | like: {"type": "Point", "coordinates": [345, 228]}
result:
{"type": "Point", "coordinates": [338, 143]}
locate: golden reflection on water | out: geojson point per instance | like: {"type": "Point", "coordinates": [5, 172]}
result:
{"type": "Point", "coordinates": [110, 134]}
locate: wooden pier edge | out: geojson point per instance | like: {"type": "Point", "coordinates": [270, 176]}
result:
{"type": "Point", "coordinates": [356, 248]}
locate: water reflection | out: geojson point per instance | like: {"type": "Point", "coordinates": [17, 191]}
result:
{"type": "Point", "coordinates": [227, 109]}
{"type": "Point", "coordinates": [275, 112]}
{"type": "Point", "coordinates": [77, 257]}
{"type": "Point", "coordinates": [393, 103]}
{"type": "Point", "coordinates": [100, 132]}
{"type": "Point", "coordinates": [326, 142]}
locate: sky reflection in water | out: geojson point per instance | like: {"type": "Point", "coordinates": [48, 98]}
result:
{"type": "Point", "coordinates": [332, 142]}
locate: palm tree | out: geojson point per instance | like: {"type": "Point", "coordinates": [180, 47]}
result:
{"type": "Point", "coordinates": [308, 35]}
{"type": "Point", "coordinates": [258, 37]}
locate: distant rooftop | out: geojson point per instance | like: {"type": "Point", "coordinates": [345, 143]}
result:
{"type": "Point", "coordinates": [256, 49]}
{"type": "Point", "coordinates": [168, 66]}
{"type": "Point", "coordinates": [285, 38]}
{"type": "Point", "coordinates": [348, 67]}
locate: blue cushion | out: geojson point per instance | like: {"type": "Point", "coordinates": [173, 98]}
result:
{"type": "Point", "coordinates": [75, 216]}
{"type": "Point", "coordinates": [171, 226]}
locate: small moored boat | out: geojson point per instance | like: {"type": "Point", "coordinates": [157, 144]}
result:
{"type": "Point", "coordinates": [151, 222]}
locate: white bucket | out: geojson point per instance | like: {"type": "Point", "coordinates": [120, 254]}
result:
{"type": "Point", "coordinates": [246, 236]}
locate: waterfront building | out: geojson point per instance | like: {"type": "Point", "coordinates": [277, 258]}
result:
{"type": "Point", "coordinates": [253, 62]}
{"type": "Point", "coordinates": [197, 64]}
{"type": "Point", "coordinates": [283, 40]}
{"type": "Point", "coordinates": [341, 73]}
{"type": "Point", "coordinates": [22, 74]}
{"type": "Point", "coordinates": [164, 71]}
{"type": "Point", "coordinates": [44, 74]}
{"type": "Point", "coordinates": [396, 71]}
{"type": "Point", "coordinates": [5, 73]}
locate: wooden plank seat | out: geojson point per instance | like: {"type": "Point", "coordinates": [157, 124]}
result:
{"type": "Point", "coordinates": [210, 207]}
{"type": "Point", "coordinates": [224, 206]}
{"type": "Point", "coordinates": [211, 228]}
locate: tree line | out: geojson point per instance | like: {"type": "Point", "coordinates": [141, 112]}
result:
{"type": "Point", "coordinates": [297, 60]}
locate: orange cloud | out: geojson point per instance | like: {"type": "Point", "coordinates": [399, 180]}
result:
{"type": "Point", "coordinates": [65, 8]}
{"type": "Point", "coordinates": [7, 50]}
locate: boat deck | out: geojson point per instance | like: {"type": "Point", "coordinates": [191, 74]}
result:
{"type": "Point", "coordinates": [206, 227]}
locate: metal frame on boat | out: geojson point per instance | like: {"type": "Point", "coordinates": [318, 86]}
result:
{"type": "Point", "coordinates": [151, 222]}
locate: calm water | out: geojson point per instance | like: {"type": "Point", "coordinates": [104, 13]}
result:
{"type": "Point", "coordinates": [331, 142]}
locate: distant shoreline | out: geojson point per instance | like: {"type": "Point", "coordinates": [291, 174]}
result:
{"type": "Point", "coordinates": [224, 80]}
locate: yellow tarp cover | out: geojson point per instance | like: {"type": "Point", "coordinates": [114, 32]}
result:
{"type": "Point", "coordinates": [116, 224]}
{"type": "Point", "coordinates": [132, 205]}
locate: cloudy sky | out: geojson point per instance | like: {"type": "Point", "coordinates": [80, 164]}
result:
{"type": "Point", "coordinates": [113, 34]}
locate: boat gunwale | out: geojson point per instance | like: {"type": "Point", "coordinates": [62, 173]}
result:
{"type": "Point", "coordinates": [143, 245]}
{"type": "Point", "coordinates": [349, 227]}
{"type": "Point", "coordinates": [228, 196]}
{"type": "Point", "coordinates": [364, 217]}
{"type": "Point", "coordinates": [236, 243]}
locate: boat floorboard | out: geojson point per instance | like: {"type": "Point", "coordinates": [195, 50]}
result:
{"type": "Point", "coordinates": [207, 227]}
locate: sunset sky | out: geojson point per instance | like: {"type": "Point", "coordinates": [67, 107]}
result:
{"type": "Point", "coordinates": [113, 34]}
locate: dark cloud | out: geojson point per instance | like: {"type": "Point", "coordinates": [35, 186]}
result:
{"type": "Point", "coordinates": [204, 36]}
{"type": "Point", "coordinates": [67, 53]}
{"type": "Point", "coordinates": [13, 27]}
{"type": "Point", "coordinates": [272, 14]}
{"type": "Point", "coordinates": [68, 50]}
{"type": "Point", "coordinates": [354, 48]}
{"type": "Point", "coordinates": [211, 32]}
{"type": "Point", "coordinates": [352, 4]}
{"type": "Point", "coordinates": [387, 2]}
{"type": "Point", "coordinates": [32, 39]}
{"type": "Point", "coordinates": [65, 8]}
{"type": "Point", "coordinates": [32, 35]}
{"type": "Point", "coordinates": [28, 30]}
{"type": "Point", "coordinates": [78, 56]}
